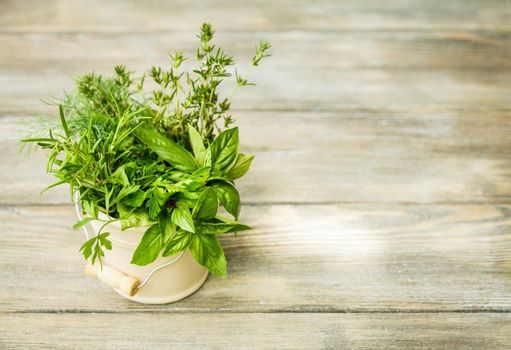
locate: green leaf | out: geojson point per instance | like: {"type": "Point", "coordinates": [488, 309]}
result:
{"type": "Point", "coordinates": [135, 199]}
{"type": "Point", "coordinates": [119, 175]}
{"type": "Point", "coordinates": [201, 175]}
{"type": "Point", "coordinates": [167, 227]}
{"type": "Point", "coordinates": [86, 248]}
{"type": "Point", "coordinates": [197, 145]}
{"type": "Point", "coordinates": [104, 240]}
{"type": "Point", "coordinates": [63, 121]}
{"type": "Point", "coordinates": [54, 185]}
{"type": "Point", "coordinates": [82, 223]}
{"type": "Point", "coordinates": [94, 247]}
{"type": "Point", "coordinates": [157, 199]}
{"type": "Point", "coordinates": [130, 218]}
{"type": "Point", "coordinates": [179, 242]}
{"type": "Point", "coordinates": [89, 208]}
{"type": "Point", "coordinates": [149, 247]}
{"type": "Point", "coordinates": [224, 150]}
{"type": "Point", "coordinates": [236, 226]}
{"type": "Point", "coordinates": [207, 205]}
{"type": "Point", "coordinates": [181, 217]}
{"type": "Point", "coordinates": [239, 227]}
{"type": "Point", "coordinates": [197, 179]}
{"type": "Point", "coordinates": [241, 166]}
{"type": "Point", "coordinates": [167, 149]}
{"type": "Point", "coordinates": [125, 191]}
{"type": "Point", "coordinates": [208, 252]}
{"type": "Point", "coordinates": [38, 139]}
{"type": "Point", "coordinates": [213, 228]}
{"type": "Point", "coordinates": [229, 197]}
{"type": "Point", "coordinates": [207, 157]}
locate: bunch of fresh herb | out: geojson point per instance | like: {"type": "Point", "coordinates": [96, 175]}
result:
{"type": "Point", "coordinates": [164, 159]}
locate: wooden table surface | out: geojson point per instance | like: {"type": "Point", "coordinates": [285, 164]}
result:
{"type": "Point", "coordinates": [380, 195]}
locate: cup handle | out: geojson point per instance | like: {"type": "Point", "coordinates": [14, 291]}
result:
{"type": "Point", "coordinates": [113, 277]}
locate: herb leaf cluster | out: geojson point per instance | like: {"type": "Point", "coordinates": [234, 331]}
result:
{"type": "Point", "coordinates": [165, 158]}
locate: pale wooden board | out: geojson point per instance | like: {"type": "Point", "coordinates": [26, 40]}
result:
{"type": "Point", "coordinates": [255, 331]}
{"type": "Point", "coordinates": [246, 15]}
{"type": "Point", "coordinates": [371, 105]}
{"type": "Point", "coordinates": [393, 50]}
{"type": "Point", "coordinates": [373, 156]}
{"type": "Point", "coordinates": [308, 71]}
{"type": "Point", "coordinates": [310, 258]}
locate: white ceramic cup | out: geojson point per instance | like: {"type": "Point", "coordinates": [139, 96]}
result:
{"type": "Point", "coordinates": [171, 283]}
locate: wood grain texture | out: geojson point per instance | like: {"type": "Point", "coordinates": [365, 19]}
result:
{"type": "Point", "coordinates": [308, 71]}
{"type": "Point", "coordinates": [380, 194]}
{"type": "Point", "coordinates": [326, 258]}
{"type": "Point", "coordinates": [239, 331]}
{"type": "Point", "coordinates": [261, 15]}
{"type": "Point", "coordinates": [371, 156]}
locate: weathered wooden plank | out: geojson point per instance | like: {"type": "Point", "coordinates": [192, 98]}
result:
{"type": "Point", "coordinates": [313, 71]}
{"type": "Point", "coordinates": [252, 15]}
{"type": "Point", "coordinates": [314, 258]}
{"type": "Point", "coordinates": [312, 90]}
{"type": "Point", "coordinates": [321, 50]}
{"type": "Point", "coordinates": [255, 331]}
{"type": "Point", "coordinates": [375, 156]}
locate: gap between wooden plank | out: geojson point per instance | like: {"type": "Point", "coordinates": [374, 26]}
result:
{"type": "Point", "coordinates": [193, 32]}
{"type": "Point", "coordinates": [21, 115]}
{"type": "Point", "coordinates": [6, 205]}
{"type": "Point", "coordinates": [277, 311]}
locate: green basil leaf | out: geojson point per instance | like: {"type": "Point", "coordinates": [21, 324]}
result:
{"type": "Point", "coordinates": [167, 149]}
{"type": "Point", "coordinates": [149, 247]}
{"type": "Point", "coordinates": [219, 177]}
{"type": "Point", "coordinates": [207, 204]}
{"type": "Point", "coordinates": [208, 252]}
{"type": "Point", "coordinates": [229, 197]}
{"type": "Point", "coordinates": [179, 242]}
{"type": "Point", "coordinates": [213, 228]}
{"type": "Point", "coordinates": [197, 145]}
{"type": "Point", "coordinates": [241, 166]}
{"type": "Point", "coordinates": [196, 180]}
{"type": "Point", "coordinates": [207, 157]}
{"type": "Point", "coordinates": [240, 227]}
{"type": "Point", "coordinates": [192, 197]}
{"type": "Point", "coordinates": [181, 217]}
{"type": "Point", "coordinates": [236, 226]}
{"type": "Point", "coordinates": [224, 150]}
{"type": "Point", "coordinates": [201, 175]}
{"type": "Point", "coordinates": [167, 227]}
